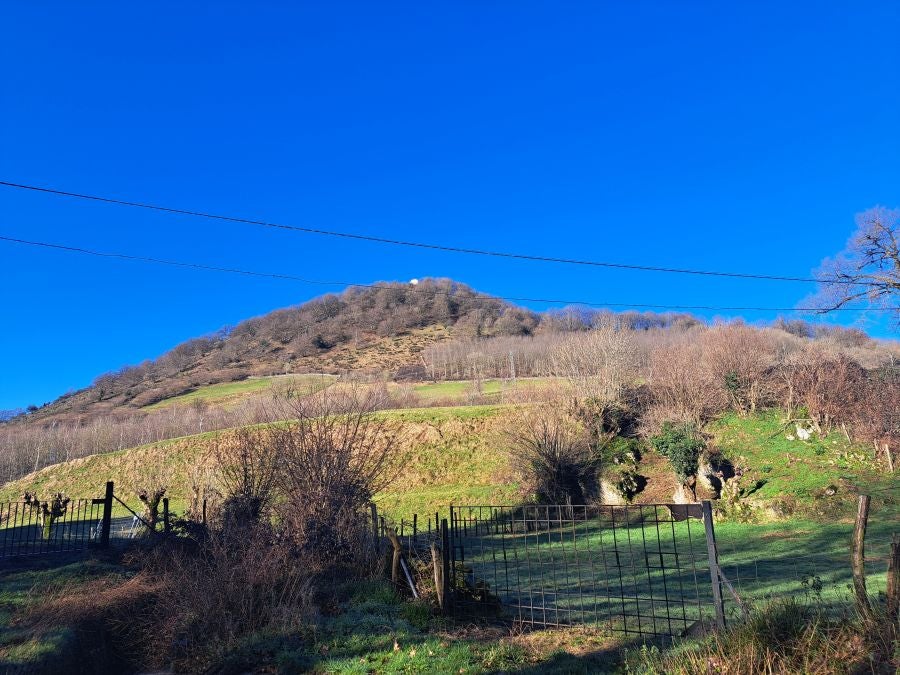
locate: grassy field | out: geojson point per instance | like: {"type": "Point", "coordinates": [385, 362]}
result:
{"type": "Point", "coordinates": [429, 393]}
{"type": "Point", "coordinates": [793, 470]}
{"type": "Point", "coordinates": [229, 393]}
{"type": "Point", "coordinates": [460, 390]}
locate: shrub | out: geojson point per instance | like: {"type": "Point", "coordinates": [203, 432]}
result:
{"type": "Point", "coordinates": [552, 453]}
{"type": "Point", "coordinates": [783, 637]}
{"type": "Point", "coordinates": [682, 445]}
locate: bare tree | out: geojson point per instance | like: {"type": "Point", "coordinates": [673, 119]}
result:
{"type": "Point", "coordinates": [868, 269]}
{"type": "Point", "coordinates": [599, 364]}
{"type": "Point", "coordinates": [335, 454]}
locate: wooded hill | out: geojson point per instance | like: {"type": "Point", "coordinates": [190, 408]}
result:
{"type": "Point", "coordinates": [379, 328]}
{"type": "Point", "coordinates": [393, 329]}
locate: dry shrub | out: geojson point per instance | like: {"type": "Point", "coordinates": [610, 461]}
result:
{"type": "Point", "coordinates": [828, 385]}
{"type": "Point", "coordinates": [739, 360]}
{"type": "Point", "coordinates": [552, 453]}
{"type": "Point", "coordinates": [212, 595]}
{"type": "Point", "coordinates": [405, 396]}
{"type": "Point", "coordinates": [681, 388]}
{"type": "Point", "coordinates": [248, 468]}
{"type": "Point", "coordinates": [334, 456]}
{"type": "Point", "coordinates": [784, 637]}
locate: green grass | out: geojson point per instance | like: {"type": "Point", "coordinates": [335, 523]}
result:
{"type": "Point", "coordinates": [231, 392]}
{"type": "Point", "coordinates": [800, 470]}
{"type": "Point", "coordinates": [25, 584]}
{"type": "Point", "coordinates": [584, 572]}
{"type": "Point", "coordinates": [376, 632]}
{"type": "Point", "coordinates": [462, 389]}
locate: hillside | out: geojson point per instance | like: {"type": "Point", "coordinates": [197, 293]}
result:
{"type": "Point", "coordinates": [381, 329]}
{"type": "Point", "coordinates": [458, 455]}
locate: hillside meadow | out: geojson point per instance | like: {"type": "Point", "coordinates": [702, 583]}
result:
{"type": "Point", "coordinates": [459, 455]}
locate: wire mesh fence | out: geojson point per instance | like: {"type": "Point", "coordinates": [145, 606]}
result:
{"type": "Point", "coordinates": [805, 560]}
{"type": "Point", "coordinates": [641, 570]}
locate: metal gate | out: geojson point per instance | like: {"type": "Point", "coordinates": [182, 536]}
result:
{"type": "Point", "coordinates": [646, 570]}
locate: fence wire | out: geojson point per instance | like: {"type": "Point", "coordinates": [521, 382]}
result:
{"type": "Point", "coordinates": [634, 569]}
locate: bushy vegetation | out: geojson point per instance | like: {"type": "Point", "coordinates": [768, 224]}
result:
{"type": "Point", "coordinates": [785, 636]}
{"type": "Point", "coordinates": [682, 445]}
{"type": "Point", "coordinates": [552, 453]}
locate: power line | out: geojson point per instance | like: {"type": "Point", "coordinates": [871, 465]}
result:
{"type": "Point", "coordinates": [290, 277]}
{"type": "Point", "coordinates": [414, 244]}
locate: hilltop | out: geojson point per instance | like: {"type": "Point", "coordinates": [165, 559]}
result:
{"type": "Point", "coordinates": [376, 329]}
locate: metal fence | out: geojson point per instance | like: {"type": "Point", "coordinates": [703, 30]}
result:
{"type": "Point", "coordinates": [31, 528]}
{"type": "Point", "coordinates": [642, 570]}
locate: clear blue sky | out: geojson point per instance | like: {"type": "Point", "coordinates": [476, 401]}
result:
{"type": "Point", "coordinates": [713, 135]}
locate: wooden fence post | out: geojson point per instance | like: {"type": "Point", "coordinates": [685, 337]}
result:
{"type": "Point", "coordinates": [167, 527]}
{"type": "Point", "coordinates": [713, 553]}
{"type": "Point", "coordinates": [858, 559]}
{"type": "Point", "coordinates": [107, 515]}
{"type": "Point", "coordinates": [893, 583]}
{"type": "Point", "coordinates": [437, 561]}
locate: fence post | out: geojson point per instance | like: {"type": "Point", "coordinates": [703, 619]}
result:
{"type": "Point", "coordinates": [107, 515]}
{"type": "Point", "coordinates": [166, 526]}
{"type": "Point", "coordinates": [713, 552]}
{"type": "Point", "coordinates": [893, 583]}
{"type": "Point", "coordinates": [445, 563]}
{"type": "Point", "coordinates": [858, 559]}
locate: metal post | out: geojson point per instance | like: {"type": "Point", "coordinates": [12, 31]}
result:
{"type": "Point", "coordinates": [107, 515]}
{"type": "Point", "coordinates": [445, 562]}
{"type": "Point", "coordinates": [166, 525]}
{"type": "Point", "coordinates": [711, 549]}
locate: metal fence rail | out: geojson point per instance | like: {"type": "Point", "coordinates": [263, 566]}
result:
{"type": "Point", "coordinates": [642, 569]}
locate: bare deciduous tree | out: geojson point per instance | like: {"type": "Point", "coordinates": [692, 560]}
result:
{"type": "Point", "coordinates": [599, 363]}
{"type": "Point", "coordinates": [868, 269]}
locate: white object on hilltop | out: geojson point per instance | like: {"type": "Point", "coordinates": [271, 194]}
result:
{"type": "Point", "coordinates": [414, 282]}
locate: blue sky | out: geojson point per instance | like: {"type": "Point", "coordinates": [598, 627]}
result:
{"type": "Point", "coordinates": [739, 136]}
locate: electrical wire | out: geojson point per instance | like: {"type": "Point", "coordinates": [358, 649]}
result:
{"type": "Point", "coordinates": [320, 282]}
{"type": "Point", "coordinates": [415, 244]}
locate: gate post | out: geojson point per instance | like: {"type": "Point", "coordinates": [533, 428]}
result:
{"type": "Point", "coordinates": [713, 563]}
{"type": "Point", "coordinates": [107, 515]}
{"type": "Point", "coordinates": [445, 563]}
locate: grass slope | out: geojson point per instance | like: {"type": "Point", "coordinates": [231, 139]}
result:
{"type": "Point", "coordinates": [794, 471]}
{"type": "Point", "coordinates": [447, 455]}
{"type": "Point", "coordinates": [229, 393]}
{"type": "Point", "coordinates": [456, 455]}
